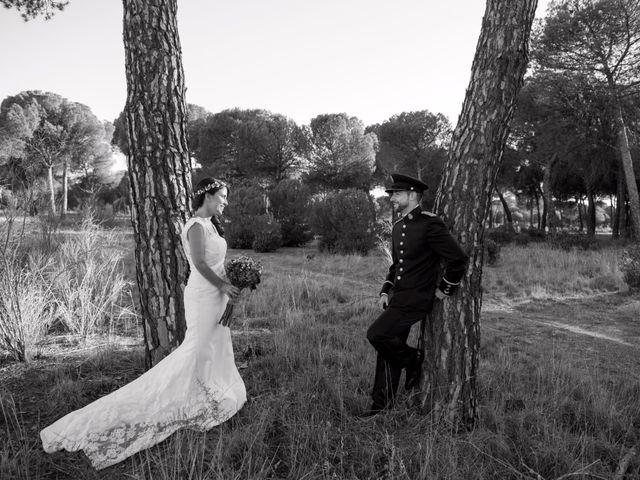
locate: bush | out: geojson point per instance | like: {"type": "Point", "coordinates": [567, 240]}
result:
{"type": "Point", "coordinates": [290, 205]}
{"type": "Point", "coordinates": [535, 234]}
{"type": "Point", "coordinates": [521, 239]}
{"type": "Point", "coordinates": [267, 237]}
{"type": "Point", "coordinates": [87, 282]}
{"type": "Point", "coordinates": [246, 203]}
{"type": "Point", "coordinates": [569, 241]}
{"type": "Point", "coordinates": [630, 266]}
{"type": "Point", "coordinates": [492, 249]}
{"type": "Point", "coordinates": [240, 234]}
{"type": "Point", "coordinates": [500, 235]}
{"type": "Point", "coordinates": [346, 222]}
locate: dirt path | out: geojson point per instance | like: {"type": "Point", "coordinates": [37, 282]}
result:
{"type": "Point", "coordinates": [582, 331]}
{"type": "Point", "coordinates": [601, 331]}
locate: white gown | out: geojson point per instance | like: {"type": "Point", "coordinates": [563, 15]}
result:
{"type": "Point", "coordinates": [197, 386]}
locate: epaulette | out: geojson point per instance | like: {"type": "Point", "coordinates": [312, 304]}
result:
{"type": "Point", "coordinates": [429, 214]}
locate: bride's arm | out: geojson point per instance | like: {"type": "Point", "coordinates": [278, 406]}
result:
{"type": "Point", "coordinates": [195, 237]}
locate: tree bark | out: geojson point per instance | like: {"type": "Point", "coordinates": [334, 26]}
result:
{"type": "Point", "coordinates": [159, 167]}
{"type": "Point", "coordinates": [452, 343]}
{"type": "Point", "coordinates": [52, 192]}
{"type": "Point", "coordinates": [580, 216]}
{"type": "Point", "coordinates": [549, 213]}
{"type": "Point", "coordinates": [591, 214]}
{"type": "Point", "coordinates": [507, 212]}
{"type": "Point", "coordinates": [629, 175]}
{"type": "Point", "coordinates": [65, 189]}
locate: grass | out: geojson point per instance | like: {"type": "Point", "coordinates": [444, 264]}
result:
{"type": "Point", "coordinates": [553, 404]}
{"type": "Point", "coordinates": [538, 271]}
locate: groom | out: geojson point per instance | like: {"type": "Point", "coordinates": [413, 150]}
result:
{"type": "Point", "coordinates": [420, 242]}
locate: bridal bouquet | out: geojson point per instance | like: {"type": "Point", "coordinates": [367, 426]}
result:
{"type": "Point", "coordinates": [243, 272]}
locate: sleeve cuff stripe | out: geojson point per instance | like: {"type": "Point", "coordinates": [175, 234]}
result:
{"type": "Point", "coordinates": [450, 283]}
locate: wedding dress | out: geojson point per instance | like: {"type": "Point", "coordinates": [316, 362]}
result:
{"type": "Point", "coordinates": [197, 386]}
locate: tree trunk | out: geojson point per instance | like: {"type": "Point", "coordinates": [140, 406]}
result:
{"type": "Point", "coordinates": [463, 198]}
{"type": "Point", "coordinates": [629, 175]}
{"type": "Point", "coordinates": [52, 192]}
{"type": "Point", "coordinates": [621, 203]}
{"type": "Point", "coordinates": [537, 208]}
{"type": "Point", "coordinates": [591, 214]}
{"type": "Point", "coordinates": [507, 212]}
{"type": "Point", "coordinates": [549, 213]}
{"type": "Point", "coordinates": [159, 167]}
{"type": "Point", "coordinates": [531, 212]}
{"type": "Point", "coordinates": [65, 189]}
{"type": "Point", "coordinates": [491, 216]}
{"type": "Point", "coordinates": [615, 215]}
{"type": "Point", "coordinates": [580, 216]}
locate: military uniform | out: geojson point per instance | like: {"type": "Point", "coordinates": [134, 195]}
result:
{"type": "Point", "coordinates": [420, 242]}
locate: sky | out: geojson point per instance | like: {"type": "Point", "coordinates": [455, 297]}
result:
{"type": "Point", "coordinates": [301, 58]}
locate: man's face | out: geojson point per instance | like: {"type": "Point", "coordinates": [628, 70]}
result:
{"type": "Point", "coordinates": [400, 199]}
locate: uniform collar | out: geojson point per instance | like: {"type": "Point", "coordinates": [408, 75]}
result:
{"type": "Point", "coordinates": [411, 215]}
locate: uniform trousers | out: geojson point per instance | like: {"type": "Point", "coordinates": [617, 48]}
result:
{"type": "Point", "coordinates": [388, 334]}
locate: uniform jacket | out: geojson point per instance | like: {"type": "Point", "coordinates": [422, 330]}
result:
{"type": "Point", "coordinates": [420, 241]}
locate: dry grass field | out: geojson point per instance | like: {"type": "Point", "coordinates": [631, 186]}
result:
{"type": "Point", "coordinates": [560, 375]}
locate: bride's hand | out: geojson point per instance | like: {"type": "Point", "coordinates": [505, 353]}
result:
{"type": "Point", "coordinates": [230, 291]}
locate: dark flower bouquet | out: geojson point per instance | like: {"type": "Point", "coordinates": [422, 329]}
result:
{"type": "Point", "coordinates": [243, 272]}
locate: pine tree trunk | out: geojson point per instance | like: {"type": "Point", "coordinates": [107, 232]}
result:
{"type": "Point", "coordinates": [548, 216]}
{"type": "Point", "coordinates": [52, 192]}
{"type": "Point", "coordinates": [629, 175]}
{"type": "Point", "coordinates": [538, 216]}
{"type": "Point", "coordinates": [591, 214]}
{"type": "Point", "coordinates": [531, 212]}
{"type": "Point", "coordinates": [65, 189]}
{"type": "Point", "coordinates": [622, 214]}
{"type": "Point", "coordinates": [580, 216]}
{"type": "Point", "coordinates": [159, 167]}
{"type": "Point", "coordinates": [507, 212]}
{"type": "Point", "coordinates": [463, 198]}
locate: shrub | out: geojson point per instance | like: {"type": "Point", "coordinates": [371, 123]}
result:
{"type": "Point", "coordinates": [246, 203]}
{"type": "Point", "coordinates": [346, 222]}
{"type": "Point", "coordinates": [26, 303]}
{"type": "Point", "coordinates": [290, 205]}
{"type": "Point", "coordinates": [521, 239]}
{"type": "Point", "coordinates": [630, 266]}
{"type": "Point", "coordinates": [500, 235]}
{"type": "Point", "coordinates": [535, 234]}
{"type": "Point", "coordinates": [492, 249]}
{"type": "Point", "coordinates": [267, 235]}
{"type": "Point", "coordinates": [87, 281]}
{"type": "Point", "coordinates": [240, 234]}
{"type": "Point", "coordinates": [568, 241]}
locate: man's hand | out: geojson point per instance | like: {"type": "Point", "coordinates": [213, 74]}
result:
{"type": "Point", "coordinates": [384, 301]}
{"type": "Point", "coordinates": [440, 295]}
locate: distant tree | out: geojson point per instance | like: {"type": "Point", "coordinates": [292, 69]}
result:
{"type": "Point", "coordinates": [47, 131]}
{"type": "Point", "coordinates": [599, 38]}
{"type": "Point", "coordinates": [342, 155]}
{"type": "Point", "coordinates": [290, 204]}
{"type": "Point", "coordinates": [414, 143]}
{"type": "Point", "coordinates": [213, 142]}
{"type": "Point", "coordinates": [119, 138]}
{"type": "Point", "coordinates": [271, 146]}
{"type": "Point", "coordinates": [345, 221]}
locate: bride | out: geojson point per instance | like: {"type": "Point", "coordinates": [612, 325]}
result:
{"type": "Point", "coordinates": [197, 386]}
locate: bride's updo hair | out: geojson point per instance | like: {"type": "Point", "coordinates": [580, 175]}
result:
{"type": "Point", "coordinates": [209, 185]}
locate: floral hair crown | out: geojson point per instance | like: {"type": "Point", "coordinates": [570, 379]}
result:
{"type": "Point", "coordinates": [213, 185]}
